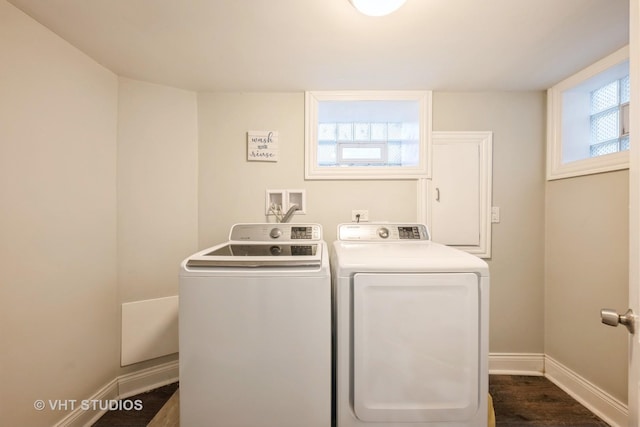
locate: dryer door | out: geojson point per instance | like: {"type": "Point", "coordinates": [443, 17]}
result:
{"type": "Point", "coordinates": [416, 347]}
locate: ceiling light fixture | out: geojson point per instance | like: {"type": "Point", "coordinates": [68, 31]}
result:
{"type": "Point", "coordinates": [377, 7]}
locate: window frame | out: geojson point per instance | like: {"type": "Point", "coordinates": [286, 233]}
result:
{"type": "Point", "coordinates": [556, 167]}
{"type": "Point", "coordinates": [313, 171]}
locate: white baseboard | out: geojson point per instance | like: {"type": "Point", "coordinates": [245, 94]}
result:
{"type": "Point", "coordinates": [122, 387]}
{"type": "Point", "coordinates": [147, 379]}
{"type": "Point", "coordinates": [611, 410]}
{"type": "Point", "coordinates": [516, 364]}
{"type": "Point", "coordinates": [601, 403]}
{"type": "Point", "coordinates": [82, 417]}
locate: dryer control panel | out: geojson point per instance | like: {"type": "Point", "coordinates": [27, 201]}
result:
{"type": "Point", "coordinates": [382, 232]}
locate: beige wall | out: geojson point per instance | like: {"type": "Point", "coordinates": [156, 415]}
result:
{"type": "Point", "coordinates": [157, 191]}
{"type": "Point", "coordinates": [517, 120]}
{"type": "Point", "coordinates": [59, 322]}
{"type": "Point", "coordinates": [107, 183]}
{"type": "Point", "coordinates": [232, 189]}
{"type": "Point", "coordinates": [587, 240]}
{"type": "Point", "coordinates": [157, 187]}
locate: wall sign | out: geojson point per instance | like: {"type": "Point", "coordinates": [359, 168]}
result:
{"type": "Point", "coordinates": [262, 146]}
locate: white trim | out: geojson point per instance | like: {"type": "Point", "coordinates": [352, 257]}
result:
{"type": "Point", "coordinates": [79, 417]}
{"type": "Point", "coordinates": [556, 168]}
{"type": "Point", "coordinates": [531, 364]}
{"type": "Point", "coordinates": [147, 379]}
{"type": "Point", "coordinates": [122, 387]}
{"type": "Point", "coordinates": [484, 140]}
{"type": "Point", "coordinates": [311, 169]}
{"type": "Point", "coordinates": [598, 401]}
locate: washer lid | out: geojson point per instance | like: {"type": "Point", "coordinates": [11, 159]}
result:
{"type": "Point", "coordinates": [237, 254]}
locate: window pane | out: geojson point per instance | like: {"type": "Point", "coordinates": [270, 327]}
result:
{"type": "Point", "coordinates": [362, 153]}
{"type": "Point", "coordinates": [604, 148]}
{"type": "Point", "coordinates": [624, 90]}
{"type": "Point", "coordinates": [395, 131]}
{"type": "Point", "coordinates": [389, 132]}
{"type": "Point", "coordinates": [327, 153]}
{"type": "Point", "coordinates": [345, 131]}
{"type": "Point", "coordinates": [394, 153]}
{"type": "Point", "coordinates": [378, 131]}
{"type": "Point", "coordinates": [327, 131]}
{"type": "Point", "coordinates": [604, 98]}
{"type": "Point", "coordinates": [361, 132]}
{"type": "Point", "coordinates": [605, 126]}
{"type": "Point", "coordinates": [624, 143]}
{"type": "Point", "coordinates": [410, 153]}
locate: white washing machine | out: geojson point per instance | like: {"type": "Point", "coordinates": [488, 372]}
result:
{"type": "Point", "coordinates": [255, 330]}
{"type": "Point", "coordinates": [411, 329]}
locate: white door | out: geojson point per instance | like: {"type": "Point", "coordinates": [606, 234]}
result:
{"type": "Point", "coordinates": [634, 213]}
{"type": "Point", "coordinates": [634, 219]}
{"type": "Point", "coordinates": [456, 206]}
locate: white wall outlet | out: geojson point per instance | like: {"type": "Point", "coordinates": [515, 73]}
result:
{"type": "Point", "coordinates": [495, 214]}
{"type": "Point", "coordinates": [359, 215]}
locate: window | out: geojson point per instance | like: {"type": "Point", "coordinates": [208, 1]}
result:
{"type": "Point", "coordinates": [609, 127]}
{"type": "Point", "coordinates": [367, 135]}
{"type": "Point", "coordinates": [587, 119]}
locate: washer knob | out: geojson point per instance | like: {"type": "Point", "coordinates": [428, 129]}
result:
{"type": "Point", "coordinates": [383, 232]}
{"type": "Point", "coordinates": [275, 233]}
{"type": "Point", "coordinates": [275, 250]}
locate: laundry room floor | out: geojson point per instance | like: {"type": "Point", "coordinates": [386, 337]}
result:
{"type": "Point", "coordinates": [519, 401]}
{"type": "Point", "coordinates": [536, 401]}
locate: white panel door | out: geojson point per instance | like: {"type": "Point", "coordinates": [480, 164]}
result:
{"type": "Point", "coordinates": [456, 198]}
{"type": "Point", "coordinates": [634, 214]}
{"type": "Point", "coordinates": [416, 347]}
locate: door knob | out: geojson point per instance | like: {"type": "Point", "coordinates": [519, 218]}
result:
{"type": "Point", "coordinates": [612, 318]}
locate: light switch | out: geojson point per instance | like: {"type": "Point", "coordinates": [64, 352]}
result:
{"type": "Point", "coordinates": [495, 214]}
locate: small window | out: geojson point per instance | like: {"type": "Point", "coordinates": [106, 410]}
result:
{"type": "Point", "coordinates": [367, 135]}
{"type": "Point", "coordinates": [588, 120]}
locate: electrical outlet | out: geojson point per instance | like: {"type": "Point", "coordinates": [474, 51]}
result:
{"type": "Point", "coordinates": [360, 215]}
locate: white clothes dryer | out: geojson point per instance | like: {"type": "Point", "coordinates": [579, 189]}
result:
{"type": "Point", "coordinates": [411, 329]}
{"type": "Point", "coordinates": [255, 330]}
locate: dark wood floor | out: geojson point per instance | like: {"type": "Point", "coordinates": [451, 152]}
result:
{"type": "Point", "coordinates": [536, 401]}
{"type": "Point", "coordinates": [519, 401]}
{"type": "Point", "coordinates": [152, 402]}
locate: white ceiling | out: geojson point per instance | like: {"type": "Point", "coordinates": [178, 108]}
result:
{"type": "Point", "coordinates": [292, 45]}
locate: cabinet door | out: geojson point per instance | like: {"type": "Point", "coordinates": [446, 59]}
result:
{"type": "Point", "coordinates": [456, 202]}
{"type": "Point", "coordinates": [456, 197]}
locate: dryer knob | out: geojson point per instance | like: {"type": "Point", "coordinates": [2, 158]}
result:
{"type": "Point", "coordinates": [275, 233]}
{"type": "Point", "coordinates": [383, 232]}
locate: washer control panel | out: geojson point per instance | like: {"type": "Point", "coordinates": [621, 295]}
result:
{"type": "Point", "coordinates": [275, 232]}
{"type": "Point", "coordinates": [382, 232]}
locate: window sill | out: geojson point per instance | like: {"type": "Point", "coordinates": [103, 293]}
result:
{"type": "Point", "coordinates": [590, 166]}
